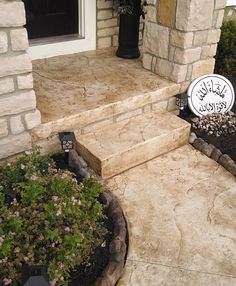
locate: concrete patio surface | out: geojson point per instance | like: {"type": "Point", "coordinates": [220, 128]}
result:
{"type": "Point", "coordinates": [181, 214]}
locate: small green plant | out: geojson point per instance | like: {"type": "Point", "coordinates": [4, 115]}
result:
{"type": "Point", "coordinates": [46, 217]}
{"type": "Point", "coordinates": [226, 52]}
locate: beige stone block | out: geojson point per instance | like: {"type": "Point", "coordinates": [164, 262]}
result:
{"type": "Point", "coordinates": [178, 73]}
{"type": "Point", "coordinates": [12, 14]}
{"type": "Point", "coordinates": [17, 103]}
{"type": "Point", "coordinates": [25, 81]}
{"type": "Point", "coordinates": [104, 14]}
{"type": "Point", "coordinates": [181, 39]}
{"type": "Point", "coordinates": [151, 2]}
{"type": "Point", "coordinates": [163, 68]}
{"type": "Point", "coordinates": [107, 32]}
{"type": "Point", "coordinates": [194, 15]}
{"type": "Point", "coordinates": [206, 51]}
{"type": "Point", "coordinates": [147, 61]}
{"type": "Point", "coordinates": [32, 119]}
{"type": "Point", "coordinates": [19, 40]}
{"type": "Point", "coordinates": [220, 18]}
{"type": "Point", "coordinates": [128, 115]}
{"type": "Point", "coordinates": [97, 125]}
{"type": "Point", "coordinates": [14, 144]}
{"type": "Point", "coordinates": [104, 4]}
{"type": "Point", "coordinates": [147, 108]}
{"type": "Point", "coordinates": [16, 125]}
{"type": "Point", "coordinates": [185, 56]}
{"type": "Point", "coordinates": [156, 40]}
{"type": "Point", "coordinates": [213, 50]}
{"type": "Point", "coordinates": [189, 72]}
{"type": "Point", "coordinates": [166, 12]}
{"type": "Point", "coordinates": [151, 13]}
{"type": "Point", "coordinates": [172, 104]}
{"type": "Point", "coordinates": [171, 53]}
{"type": "Point", "coordinates": [6, 85]}
{"type": "Point", "coordinates": [11, 65]}
{"type": "Point", "coordinates": [203, 67]}
{"type": "Point", "coordinates": [3, 128]}
{"type": "Point", "coordinates": [3, 42]}
{"type": "Point", "coordinates": [141, 138]}
{"type": "Point", "coordinates": [220, 4]}
{"type": "Point", "coordinates": [200, 38]}
{"type": "Point", "coordinates": [162, 105]}
{"type": "Point", "coordinates": [213, 36]}
{"type": "Point", "coordinates": [184, 86]}
{"type": "Point", "coordinates": [104, 43]}
{"type": "Point", "coordinates": [115, 41]}
{"type": "Point", "coordinates": [107, 23]}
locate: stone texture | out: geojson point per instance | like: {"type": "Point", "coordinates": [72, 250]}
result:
{"type": "Point", "coordinates": [141, 138]}
{"type": "Point", "coordinates": [6, 85]}
{"type": "Point", "coordinates": [14, 144]}
{"type": "Point", "coordinates": [104, 43]}
{"type": "Point", "coordinates": [3, 42]}
{"type": "Point", "coordinates": [96, 125]}
{"type": "Point", "coordinates": [12, 14]}
{"type": "Point", "coordinates": [127, 115]}
{"type": "Point", "coordinates": [181, 39]}
{"type": "Point", "coordinates": [220, 4]}
{"type": "Point", "coordinates": [200, 38]}
{"type": "Point", "coordinates": [220, 18]}
{"type": "Point", "coordinates": [213, 36]}
{"type": "Point", "coordinates": [147, 61]}
{"type": "Point", "coordinates": [15, 65]}
{"type": "Point", "coordinates": [32, 119]}
{"type": "Point", "coordinates": [89, 83]}
{"type": "Point", "coordinates": [107, 32]}
{"type": "Point", "coordinates": [156, 39]}
{"type": "Point", "coordinates": [19, 40]}
{"type": "Point", "coordinates": [215, 155]}
{"type": "Point", "coordinates": [151, 13]}
{"type": "Point", "coordinates": [190, 202]}
{"type": "Point", "coordinates": [198, 143]}
{"type": "Point", "coordinates": [203, 67]}
{"type": "Point", "coordinates": [3, 128]}
{"type": "Point", "coordinates": [25, 81]}
{"type": "Point", "coordinates": [194, 15]}
{"type": "Point", "coordinates": [104, 14]}
{"type": "Point", "coordinates": [17, 103]}
{"type": "Point", "coordinates": [162, 105]}
{"type": "Point", "coordinates": [178, 73]}
{"type": "Point", "coordinates": [166, 12]}
{"type": "Point", "coordinates": [107, 23]}
{"type": "Point", "coordinates": [16, 124]}
{"type": "Point", "coordinates": [186, 56]}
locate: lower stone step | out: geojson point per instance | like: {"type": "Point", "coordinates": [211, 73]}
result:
{"type": "Point", "coordinates": [123, 145]}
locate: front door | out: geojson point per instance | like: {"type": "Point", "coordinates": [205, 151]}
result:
{"type": "Point", "coordinates": [49, 18]}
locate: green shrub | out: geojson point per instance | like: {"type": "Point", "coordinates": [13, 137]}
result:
{"type": "Point", "coordinates": [226, 52]}
{"type": "Point", "coordinates": [46, 217]}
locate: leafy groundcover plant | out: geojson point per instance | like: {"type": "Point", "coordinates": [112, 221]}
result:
{"type": "Point", "coordinates": [46, 218]}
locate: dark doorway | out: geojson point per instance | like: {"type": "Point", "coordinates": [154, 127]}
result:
{"type": "Point", "coordinates": [49, 18]}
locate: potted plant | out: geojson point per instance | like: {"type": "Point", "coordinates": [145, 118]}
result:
{"type": "Point", "coordinates": [130, 12]}
{"type": "Point", "coordinates": [46, 218]}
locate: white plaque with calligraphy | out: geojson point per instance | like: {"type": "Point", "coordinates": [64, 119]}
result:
{"type": "Point", "coordinates": [209, 94]}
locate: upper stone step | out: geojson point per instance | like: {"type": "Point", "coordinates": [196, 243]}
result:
{"type": "Point", "coordinates": [120, 146]}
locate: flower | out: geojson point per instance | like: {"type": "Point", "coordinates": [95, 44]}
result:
{"type": "Point", "coordinates": [55, 198]}
{"type": "Point", "coordinates": [7, 281]}
{"type": "Point", "coordinates": [41, 237]}
{"type": "Point", "coordinates": [52, 283]}
{"type": "Point", "coordinates": [67, 229]}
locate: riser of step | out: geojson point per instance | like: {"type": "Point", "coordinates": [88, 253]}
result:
{"type": "Point", "coordinates": [118, 147]}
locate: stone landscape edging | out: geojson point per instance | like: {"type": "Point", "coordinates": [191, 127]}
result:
{"type": "Point", "coordinates": [118, 247]}
{"type": "Point", "coordinates": [214, 153]}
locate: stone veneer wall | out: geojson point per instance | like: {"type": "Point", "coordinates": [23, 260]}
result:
{"type": "Point", "coordinates": [18, 113]}
{"type": "Point", "coordinates": [180, 38]}
{"type": "Point", "coordinates": [108, 25]}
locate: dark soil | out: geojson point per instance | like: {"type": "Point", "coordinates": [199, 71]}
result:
{"type": "Point", "coordinates": [226, 143]}
{"type": "Point", "coordinates": [87, 274]}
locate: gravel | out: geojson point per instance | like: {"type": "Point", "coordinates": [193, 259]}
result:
{"type": "Point", "coordinates": [216, 124]}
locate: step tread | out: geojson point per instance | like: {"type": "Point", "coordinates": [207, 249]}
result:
{"type": "Point", "coordinates": [121, 136]}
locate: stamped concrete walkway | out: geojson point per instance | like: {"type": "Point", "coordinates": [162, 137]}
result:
{"type": "Point", "coordinates": [181, 212]}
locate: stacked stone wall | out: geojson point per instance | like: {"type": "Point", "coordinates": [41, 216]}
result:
{"type": "Point", "coordinates": [180, 38]}
{"type": "Point", "coordinates": [18, 113]}
{"type": "Point", "coordinates": [108, 25]}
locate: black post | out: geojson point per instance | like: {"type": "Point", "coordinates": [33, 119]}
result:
{"type": "Point", "coordinates": [129, 33]}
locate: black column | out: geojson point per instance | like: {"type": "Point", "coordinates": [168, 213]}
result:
{"type": "Point", "coordinates": [129, 33]}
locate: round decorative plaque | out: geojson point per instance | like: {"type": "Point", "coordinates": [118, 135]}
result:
{"type": "Point", "coordinates": [210, 93]}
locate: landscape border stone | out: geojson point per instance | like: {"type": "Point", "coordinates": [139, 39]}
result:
{"type": "Point", "coordinates": [214, 153]}
{"type": "Point", "coordinates": [118, 246]}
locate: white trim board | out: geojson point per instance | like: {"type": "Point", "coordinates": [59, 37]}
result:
{"type": "Point", "coordinates": [87, 41]}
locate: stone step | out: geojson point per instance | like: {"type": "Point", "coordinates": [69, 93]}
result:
{"type": "Point", "coordinates": [115, 148]}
